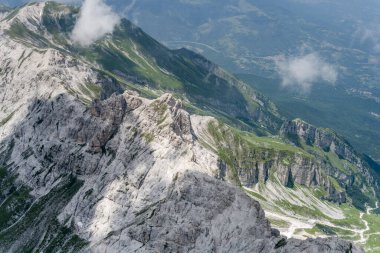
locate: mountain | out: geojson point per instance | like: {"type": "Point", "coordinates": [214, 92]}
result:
{"type": "Point", "coordinates": [126, 145]}
{"type": "Point", "coordinates": [248, 37]}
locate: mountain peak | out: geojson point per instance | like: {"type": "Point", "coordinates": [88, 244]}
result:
{"type": "Point", "coordinates": [30, 15]}
{"type": "Point", "coordinates": [42, 24]}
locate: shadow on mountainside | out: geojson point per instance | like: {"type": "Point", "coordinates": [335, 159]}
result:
{"type": "Point", "coordinates": [116, 174]}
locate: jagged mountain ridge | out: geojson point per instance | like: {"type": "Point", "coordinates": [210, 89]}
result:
{"type": "Point", "coordinates": [246, 36]}
{"type": "Point", "coordinates": [133, 56]}
{"type": "Point", "coordinates": [57, 126]}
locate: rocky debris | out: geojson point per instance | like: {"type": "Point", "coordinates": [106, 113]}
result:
{"type": "Point", "coordinates": [336, 197]}
{"type": "Point", "coordinates": [318, 245]}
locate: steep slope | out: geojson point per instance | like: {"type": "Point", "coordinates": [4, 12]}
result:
{"type": "Point", "coordinates": [4, 8]}
{"type": "Point", "coordinates": [307, 190]}
{"type": "Point", "coordinates": [132, 57]}
{"type": "Point", "coordinates": [353, 171]}
{"type": "Point", "coordinates": [247, 36]}
{"type": "Point", "coordinates": [244, 35]}
{"type": "Point", "coordinates": [88, 166]}
{"type": "Point", "coordinates": [304, 155]}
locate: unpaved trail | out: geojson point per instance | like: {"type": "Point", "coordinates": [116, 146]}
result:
{"type": "Point", "coordinates": [296, 223]}
{"type": "Point", "coordinates": [375, 249]}
{"type": "Point", "coordinates": [302, 223]}
{"type": "Point", "coordinates": [364, 237]}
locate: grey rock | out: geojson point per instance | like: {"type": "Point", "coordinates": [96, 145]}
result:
{"type": "Point", "coordinates": [147, 183]}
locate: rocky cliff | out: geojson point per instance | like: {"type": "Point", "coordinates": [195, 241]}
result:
{"type": "Point", "coordinates": [145, 182]}
{"type": "Point", "coordinates": [323, 138]}
{"type": "Point", "coordinates": [352, 170]}
{"type": "Point", "coordinates": [248, 160]}
{"type": "Point", "coordinates": [87, 165]}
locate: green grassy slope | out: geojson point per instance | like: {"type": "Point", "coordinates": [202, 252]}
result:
{"type": "Point", "coordinates": [298, 210]}
{"type": "Point", "coordinates": [326, 107]}
{"type": "Point", "coordinates": [136, 60]}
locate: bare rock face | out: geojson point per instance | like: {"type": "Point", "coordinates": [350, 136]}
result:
{"type": "Point", "coordinates": [325, 139]}
{"type": "Point", "coordinates": [300, 131]}
{"type": "Point", "coordinates": [321, 138]}
{"type": "Point", "coordinates": [115, 172]}
{"type": "Point", "coordinates": [318, 245]}
{"type": "Point", "coordinates": [302, 170]}
{"type": "Point", "coordinates": [111, 114]}
{"type": "Point", "coordinates": [148, 185]}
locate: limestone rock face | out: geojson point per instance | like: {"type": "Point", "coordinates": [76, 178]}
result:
{"type": "Point", "coordinates": [111, 171]}
{"type": "Point", "coordinates": [329, 141]}
{"type": "Point", "coordinates": [319, 137]}
{"type": "Point", "coordinates": [148, 185]}
{"type": "Point", "coordinates": [319, 245]}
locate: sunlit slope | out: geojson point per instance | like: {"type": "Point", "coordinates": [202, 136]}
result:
{"type": "Point", "coordinates": [306, 191]}
{"type": "Point", "coordinates": [136, 61]}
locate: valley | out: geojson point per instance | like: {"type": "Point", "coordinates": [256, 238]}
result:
{"type": "Point", "coordinates": [247, 37]}
{"type": "Point", "coordinates": [328, 107]}
{"type": "Point", "coordinates": [295, 217]}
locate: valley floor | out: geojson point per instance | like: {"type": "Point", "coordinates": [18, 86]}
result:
{"type": "Point", "coordinates": [299, 213]}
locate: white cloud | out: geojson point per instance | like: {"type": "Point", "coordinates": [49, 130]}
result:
{"type": "Point", "coordinates": [304, 71]}
{"type": "Point", "coordinates": [96, 19]}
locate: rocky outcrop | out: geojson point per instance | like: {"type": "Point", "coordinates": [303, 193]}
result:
{"type": "Point", "coordinates": [248, 162]}
{"type": "Point", "coordinates": [290, 169]}
{"type": "Point", "coordinates": [318, 245]}
{"type": "Point", "coordinates": [327, 140]}
{"type": "Point", "coordinates": [252, 164]}
{"type": "Point", "coordinates": [336, 197]}
{"type": "Point", "coordinates": [359, 175]}
{"type": "Point", "coordinates": [323, 138]}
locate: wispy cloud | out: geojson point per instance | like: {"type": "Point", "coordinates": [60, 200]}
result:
{"type": "Point", "coordinates": [129, 7]}
{"type": "Point", "coordinates": [302, 72]}
{"type": "Point", "coordinates": [95, 21]}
